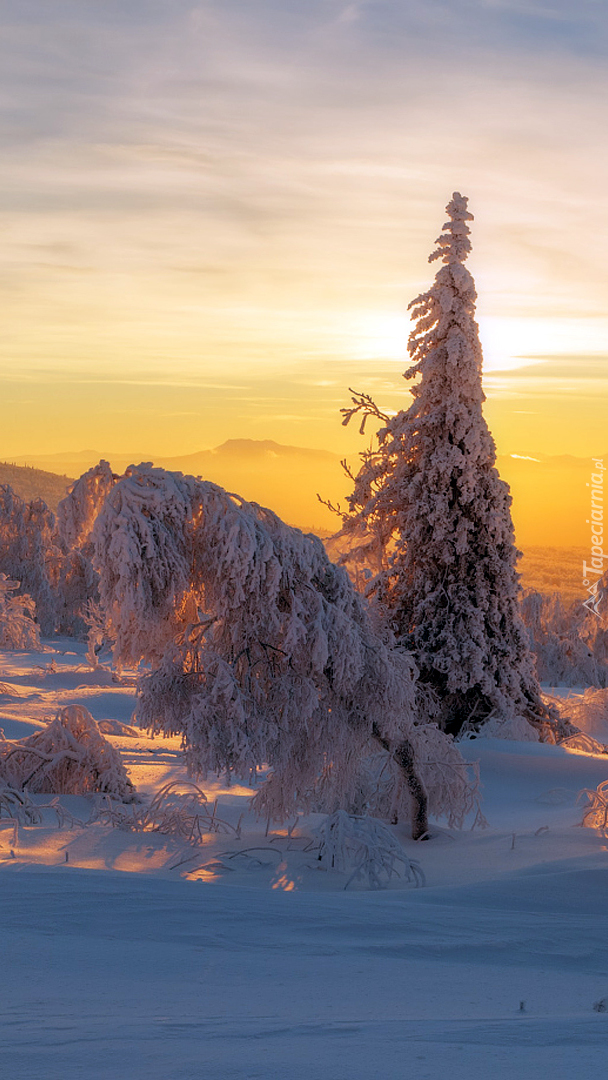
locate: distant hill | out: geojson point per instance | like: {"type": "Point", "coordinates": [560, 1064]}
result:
{"type": "Point", "coordinates": [263, 471]}
{"type": "Point", "coordinates": [284, 478]}
{"type": "Point", "coordinates": [551, 497]}
{"type": "Point", "coordinates": [75, 463]}
{"type": "Point", "coordinates": [30, 483]}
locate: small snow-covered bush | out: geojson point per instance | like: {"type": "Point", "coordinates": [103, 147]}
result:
{"type": "Point", "coordinates": [17, 627]}
{"type": "Point", "coordinates": [366, 847]}
{"type": "Point", "coordinates": [595, 815]}
{"type": "Point", "coordinates": [69, 756]}
{"type": "Point", "coordinates": [179, 809]}
{"type": "Point", "coordinates": [589, 712]}
{"type": "Point", "coordinates": [17, 806]}
{"type": "Point", "coordinates": [512, 727]}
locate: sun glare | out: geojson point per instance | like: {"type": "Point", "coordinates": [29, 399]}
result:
{"type": "Point", "coordinates": [512, 343]}
{"type": "Point", "coordinates": [380, 334]}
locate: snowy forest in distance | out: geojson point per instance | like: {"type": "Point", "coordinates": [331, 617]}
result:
{"type": "Point", "coordinates": [342, 701]}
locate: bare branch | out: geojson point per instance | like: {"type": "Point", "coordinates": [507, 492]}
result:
{"type": "Point", "coordinates": [364, 404]}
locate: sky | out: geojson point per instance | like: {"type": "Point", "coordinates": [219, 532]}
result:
{"type": "Point", "coordinates": [215, 214]}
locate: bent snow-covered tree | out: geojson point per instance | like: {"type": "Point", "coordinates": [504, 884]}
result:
{"type": "Point", "coordinates": [263, 653]}
{"type": "Point", "coordinates": [431, 496]}
{"type": "Point", "coordinates": [75, 579]}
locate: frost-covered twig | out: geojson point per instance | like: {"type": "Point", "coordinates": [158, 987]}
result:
{"type": "Point", "coordinates": [366, 406]}
{"type": "Point", "coordinates": [18, 807]}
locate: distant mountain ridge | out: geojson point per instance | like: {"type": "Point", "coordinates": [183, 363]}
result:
{"type": "Point", "coordinates": [229, 450]}
{"type": "Point", "coordinates": [30, 483]}
{"type": "Point", "coordinates": [284, 478]}
{"type": "Point", "coordinates": [550, 494]}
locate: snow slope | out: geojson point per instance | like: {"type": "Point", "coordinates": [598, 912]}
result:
{"type": "Point", "coordinates": [142, 957]}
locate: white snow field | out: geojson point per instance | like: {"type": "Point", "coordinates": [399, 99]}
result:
{"type": "Point", "coordinates": [134, 955]}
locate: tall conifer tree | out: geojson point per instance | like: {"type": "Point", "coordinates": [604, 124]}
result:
{"type": "Point", "coordinates": [431, 496]}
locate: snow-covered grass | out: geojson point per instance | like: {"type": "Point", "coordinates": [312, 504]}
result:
{"type": "Point", "coordinates": [137, 954]}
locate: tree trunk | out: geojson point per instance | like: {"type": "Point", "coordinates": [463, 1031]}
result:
{"type": "Point", "coordinates": [403, 754]}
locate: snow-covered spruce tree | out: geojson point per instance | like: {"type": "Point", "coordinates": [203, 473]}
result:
{"type": "Point", "coordinates": [450, 590]}
{"type": "Point", "coordinates": [263, 653]}
{"type": "Point", "coordinates": [27, 551]}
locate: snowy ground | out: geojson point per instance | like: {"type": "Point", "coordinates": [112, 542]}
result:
{"type": "Point", "coordinates": [140, 957]}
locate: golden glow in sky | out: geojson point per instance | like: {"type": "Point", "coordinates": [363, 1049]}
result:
{"type": "Point", "coordinates": [215, 215]}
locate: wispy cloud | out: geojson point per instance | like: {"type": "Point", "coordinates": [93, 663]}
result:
{"type": "Point", "coordinates": [196, 187]}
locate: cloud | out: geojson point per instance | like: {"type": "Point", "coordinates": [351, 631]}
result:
{"type": "Point", "coordinates": [202, 187]}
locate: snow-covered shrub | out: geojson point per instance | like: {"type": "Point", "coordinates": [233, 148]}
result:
{"type": "Point", "coordinates": [595, 815]}
{"type": "Point", "coordinates": [431, 516]}
{"type": "Point", "coordinates": [75, 584]}
{"type": "Point", "coordinates": [17, 627]}
{"type": "Point", "coordinates": [17, 805]}
{"type": "Point", "coordinates": [27, 551]}
{"type": "Point", "coordinates": [263, 650]}
{"type": "Point", "coordinates": [569, 642]}
{"type": "Point", "coordinates": [69, 756]}
{"type": "Point", "coordinates": [589, 711]}
{"type": "Point", "coordinates": [511, 727]}
{"type": "Point", "coordinates": [179, 809]}
{"type": "Point", "coordinates": [367, 848]}
{"type": "Point", "coordinates": [584, 743]}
